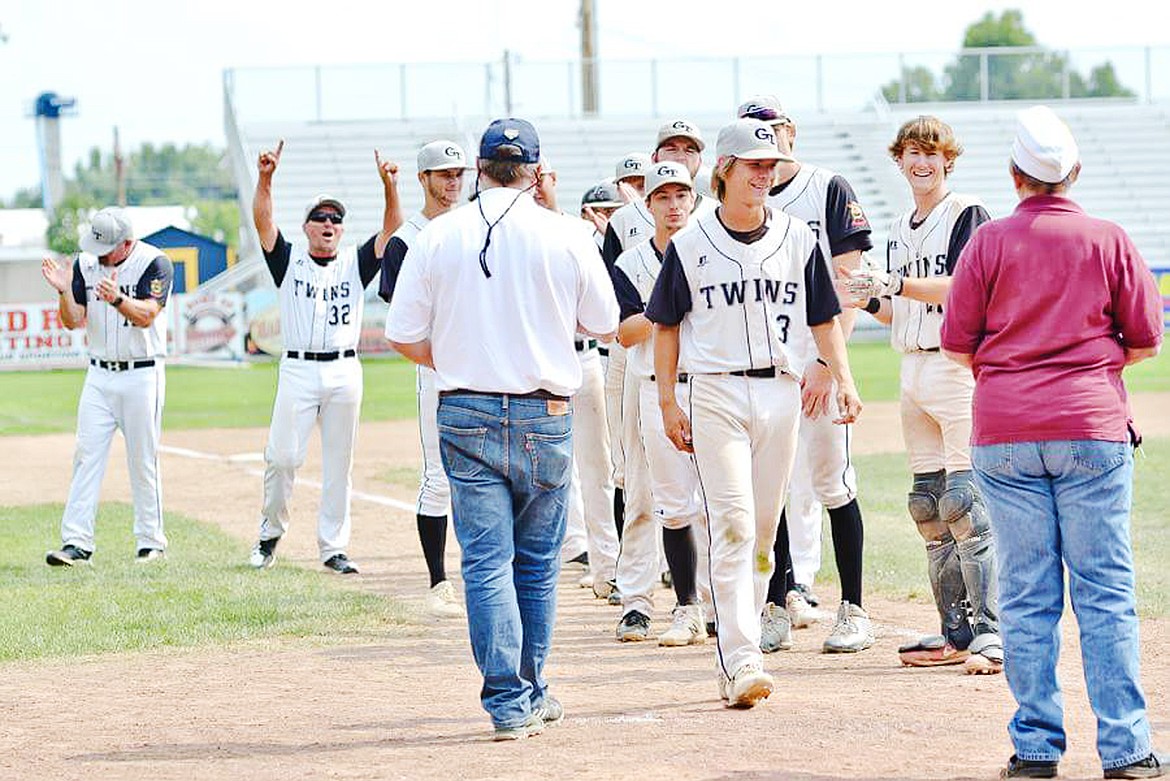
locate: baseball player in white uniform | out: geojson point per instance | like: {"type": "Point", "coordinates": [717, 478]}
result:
{"type": "Point", "coordinates": [321, 289]}
{"type": "Point", "coordinates": [823, 473]}
{"type": "Point", "coordinates": [441, 167]}
{"type": "Point", "coordinates": [733, 286]}
{"type": "Point", "coordinates": [116, 289]}
{"type": "Point", "coordinates": [681, 142]}
{"type": "Point", "coordinates": [661, 480]}
{"type": "Point", "coordinates": [923, 247]}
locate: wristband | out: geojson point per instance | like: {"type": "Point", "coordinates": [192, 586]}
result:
{"type": "Point", "coordinates": [873, 306]}
{"type": "Point", "coordinates": [117, 302]}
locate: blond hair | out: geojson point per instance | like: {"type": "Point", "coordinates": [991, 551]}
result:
{"type": "Point", "coordinates": [930, 134]}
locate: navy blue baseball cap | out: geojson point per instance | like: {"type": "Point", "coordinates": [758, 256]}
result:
{"type": "Point", "coordinates": [512, 140]}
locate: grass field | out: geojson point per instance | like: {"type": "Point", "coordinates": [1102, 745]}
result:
{"type": "Point", "coordinates": [45, 402]}
{"type": "Point", "coordinates": [201, 594]}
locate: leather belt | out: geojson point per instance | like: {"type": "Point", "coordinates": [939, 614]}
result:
{"type": "Point", "coordinates": [768, 372]}
{"type": "Point", "coordinates": [121, 366]}
{"type": "Point", "coordinates": [682, 377]}
{"type": "Point", "coordinates": [603, 352]}
{"type": "Point", "coordinates": [584, 345]}
{"type": "Point", "coordinates": [309, 356]}
{"type": "Point", "coordinates": [539, 393]}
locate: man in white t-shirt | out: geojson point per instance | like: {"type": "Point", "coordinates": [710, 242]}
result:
{"type": "Point", "coordinates": [493, 298]}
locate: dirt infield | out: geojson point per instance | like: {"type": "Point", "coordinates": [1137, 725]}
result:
{"type": "Point", "coordinates": [402, 703]}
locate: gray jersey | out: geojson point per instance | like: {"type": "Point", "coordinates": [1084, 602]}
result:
{"type": "Point", "coordinates": [928, 249]}
{"type": "Point", "coordinates": [145, 274]}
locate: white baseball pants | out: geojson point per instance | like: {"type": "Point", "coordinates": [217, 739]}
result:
{"type": "Point", "coordinates": [591, 492]}
{"type": "Point", "coordinates": [615, 384]}
{"type": "Point", "coordinates": [745, 435]}
{"type": "Point", "coordinates": [434, 492]}
{"type": "Point", "coordinates": [131, 401]}
{"type": "Point", "coordinates": [308, 391]}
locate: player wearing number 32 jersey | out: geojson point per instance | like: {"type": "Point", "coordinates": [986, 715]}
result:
{"type": "Point", "coordinates": [321, 289]}
{"type": "Point", "coordinates": [734, 287]}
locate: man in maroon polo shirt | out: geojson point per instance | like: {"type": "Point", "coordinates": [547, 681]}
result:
{"type": "Point", "coordinates": [1047, 307]}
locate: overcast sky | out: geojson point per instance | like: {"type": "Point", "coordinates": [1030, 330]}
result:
{"type": "Point", "coordinates": [155, 68]}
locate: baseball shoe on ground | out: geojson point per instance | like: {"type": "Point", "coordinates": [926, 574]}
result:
{"type": "Point", "coordinates": [443, 602]}
{"type": "Point", "coordinates": [67, 556]}
{"type": "Point", "coordinates": [614, 598]}
{"type": "Point", "coordinates": [604, 589]}
{"type": "Point", "coordinates": [686, 628]}
{"type": "Point", "coordinates": [633, 627]}
{"type": "Point", "coordinates": [550, 711]}
{"type": "Point", "coordinates": [979, 664]}
{"type": "Point", "coordinates": [809, 596]}
{"type": "Point", "coordinates": [264, 554]}
{"type": "Point", "coordinates": [147, 555]}
{"type": "Point", "coordinates": [1028, 768]}
{"type": "Point", "coordinates": [775, 629]}
{"type": "Point", "coordinates": [800, 611]}
{"type": "Point", "coordinates": [1150, 767]}
{"type": "Point", "coordinates": [851, 633]}
{"type": "Point", "coordinates": [533, 726]}
{"type": "Point", "coordinates": [747, 687]}
{"type": "Point", "coordinates": [931, 651]}
{"type": "Point", "coordinates": [340, 564]}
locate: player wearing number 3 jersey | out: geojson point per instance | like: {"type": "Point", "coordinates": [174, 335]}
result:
{"type": "Point", "coordinates": [734, 285]}
{"type": "Point", "coordinates": [321, 289]}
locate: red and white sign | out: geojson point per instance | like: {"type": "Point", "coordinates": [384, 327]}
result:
{"type": "Point", "coordinates": [32, 337]}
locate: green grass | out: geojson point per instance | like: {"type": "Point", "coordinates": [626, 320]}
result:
{"type": "Point", "coordinates": [895, 565]}
{"type": "Point", "coordinates": [203, 593]}
{"type": "Point", "coordinates": [197, 397]}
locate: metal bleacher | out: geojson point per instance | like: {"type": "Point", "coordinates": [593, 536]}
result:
{"type": "Point", "coordinates": [1125, 149]}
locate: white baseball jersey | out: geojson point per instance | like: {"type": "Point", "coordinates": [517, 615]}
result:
{"type": "Point", "coordinates": [146, 273]}
{"type": "Point", "coordinates": [400, 241]}
{"type": "Point", "coordinates": [928, 249]}
{"type": "Point", "coordinates": [739, 297]}
{"type": "Point", "coordinates": [825, 201]}
{"type": "Point", "coordinates": [321, 302]}
{"type": "Point", "coordinates": [633, 224]}
{"type": "Point", "coordinates": [634, 276]}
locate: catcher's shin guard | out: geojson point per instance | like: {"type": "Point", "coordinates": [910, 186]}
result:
{"type": "Point", "coordinates": [962, 508]}
{"type": "Point", "coordinates": [950, 592]}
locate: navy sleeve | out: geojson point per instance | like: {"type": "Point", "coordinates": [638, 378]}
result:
{"type": "Point", "coordinates": [612, 247]}
{"type": "Point", "coordinates": [391, 266]}
{"type": "Point", "coordinates": [629, 299]}
{"type": "Point", "coordinates": [78, 283]}
{"type": "Point", "coordinates": [278, 259]}
{"type": "Point", "coordinates": [971, 218]}
{"type": "Point", "coordinates": [846, 224]}
{"type": "Point", "coordinates": [820, 299]}
{"type": "Point", "coordinates": [670, 300]}
{"type": "Point", "coordinates": [155, 282]}
{"type": "Point", "coordinates": [368, 262]}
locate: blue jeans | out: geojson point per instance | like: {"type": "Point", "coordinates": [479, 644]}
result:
{"type": "Point", "coordinates": [509, 463]}
{"type": "Point", "coordinates": [1066, 502]}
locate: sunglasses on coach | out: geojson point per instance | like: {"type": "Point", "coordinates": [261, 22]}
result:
{"type": "Point", "coordinates": [325, 217]}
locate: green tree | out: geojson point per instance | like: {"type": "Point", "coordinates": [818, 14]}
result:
{"type": "Point", "coordinates": [921, 86]}
{"type": "Point", "coordinates": [1039, 75]}
{"type": "Point", "coordinates": [218, 219]}
{"type": "Point", "coordinates": [63, 234]}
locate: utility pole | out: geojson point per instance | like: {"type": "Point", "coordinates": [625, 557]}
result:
{"type": "Point", "coordinates": [507, 83]}
{"type": "Point", "coordinates": [119, 169]}
{"type": "Point", "coordinates": [589, 80]}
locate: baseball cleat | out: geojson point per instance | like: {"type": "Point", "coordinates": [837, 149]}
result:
{"type": "Point", "coordinates": [800, 611]}
{"type": "Point", "coordinates": [264, 554]}
{"type": "Point", "coordinates": [808, 595]}
{"type": "Point", "coordinates": [1028, 768]}
{"type": "Point", "coordinates": [747, 687]}
{"type": "Point", "coordinates": [605, 589]}
{"type": "Point", "coordinates": [686, 628]}
{"type": "Point", "coordinates": [148, 555]}
{"type": "Point", "coordinates": [931, 651]}
{"type": "Point", "coordinates": [775, 629]}
{"type": "Point", "coordinates": [550, 711]}
{"type": "Point", "coordinates": [1149, 767]}
{"type": "Point", "coordinates": [443, 602]}
{"type": "Point", "coordinates": [534, 725]}
{"type": "Point", "coordinates": [851, 633]}
{"type": "Point", "coordinates": [978, 664]}
{"type": "Point", "coordinates": [340, 564]}
{"type": "Point", "coordinates": [634, 627]}
{"type": "Point", "coordinates": [67, 556]}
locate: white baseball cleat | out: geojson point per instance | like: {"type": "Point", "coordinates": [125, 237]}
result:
{"type": "Point", "coordinates": [747, 687]}
{"type": "Point", "coordinates": [687, 627]}
{"type": "Point", "coordinates": [800, 611]}
{"type": "Point", "coordinates": [443, 602]}
{"type": "Point", "coordinates": [851, 633]}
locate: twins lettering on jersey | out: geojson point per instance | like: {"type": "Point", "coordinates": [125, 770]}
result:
{"type": "Point", "coordinates": [321, 306]}
{"type": "Point", "coordinates": [924, 267]}
{"type": "Point", "coordinates": [766, 291]}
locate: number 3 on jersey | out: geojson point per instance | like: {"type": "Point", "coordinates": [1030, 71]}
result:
{"type": "Point", "coordinates": [784, 321]}
{"type": "Point", "coordinates": [339, 314]}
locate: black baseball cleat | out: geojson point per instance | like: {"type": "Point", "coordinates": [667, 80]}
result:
{"type": "Point", "coordinates": [263, 555]}
{"type": "Point", "coordinates": [148, 555]}
{"type": "Point", "coordinates": [341, 564]}
{"type": "Point", "coordinates": [67, 556]}
{"type": "Point", "coordinates": [808, 594]}
{"type": "Point", "coordinates": [1150, 767]}
{"type": "Point", "coordinates": [1028, 768]}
